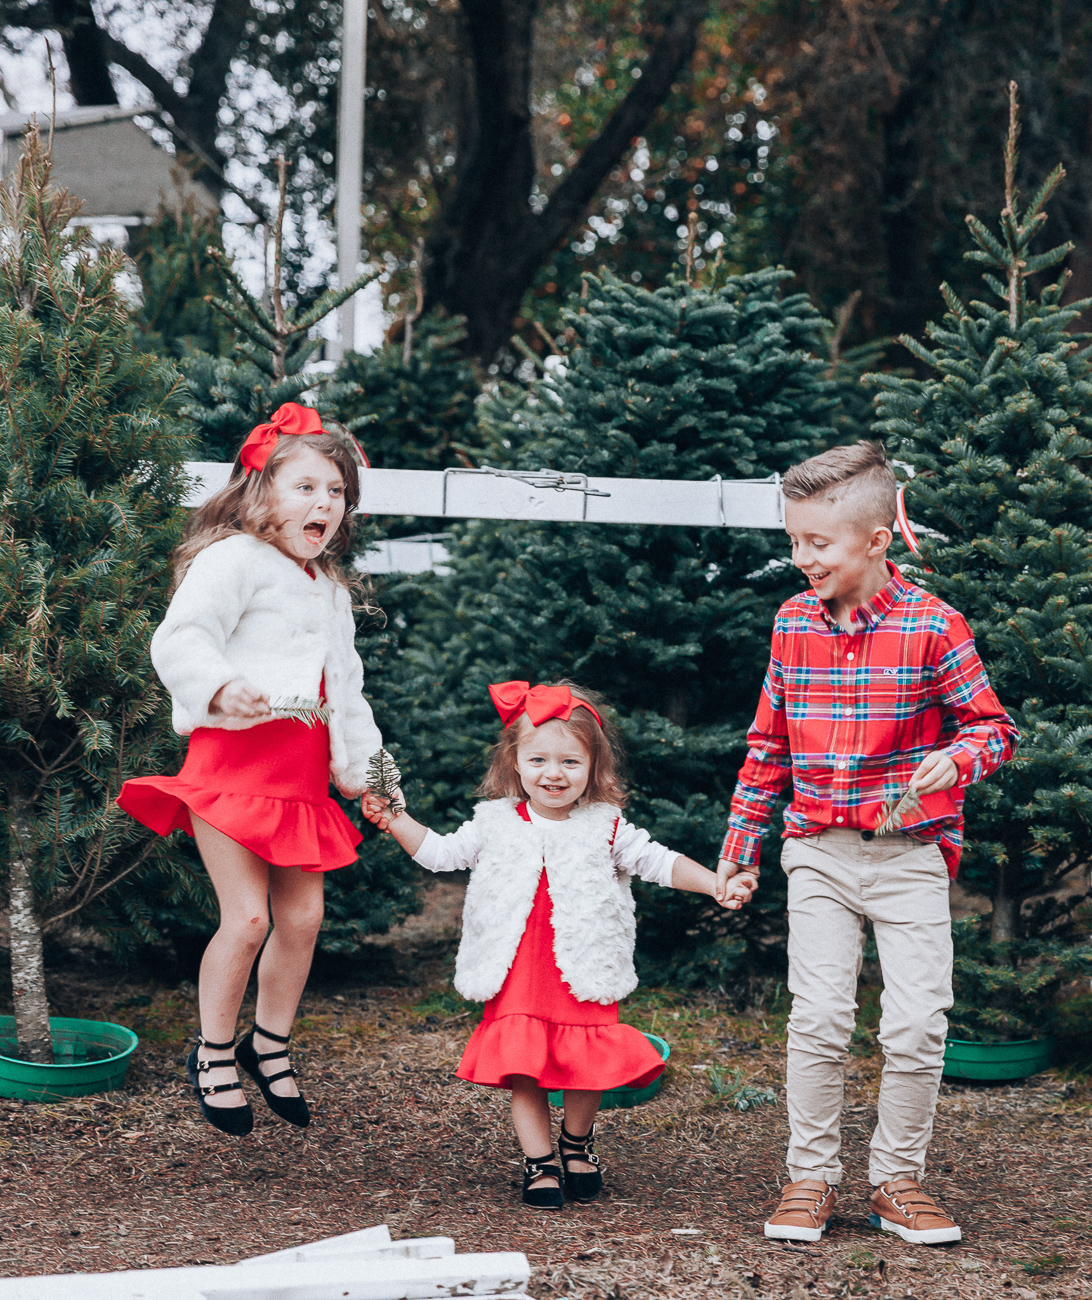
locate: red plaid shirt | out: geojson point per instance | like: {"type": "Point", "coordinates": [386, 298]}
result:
{"type": "Point", "coordinates": [847, 717]}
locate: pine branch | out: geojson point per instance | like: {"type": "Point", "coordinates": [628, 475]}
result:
{"type": "Point", "coordinates": [298, 709]}
{"type": "Point", "coordinates": [897, 811]}
{"type": "Point", "coordinates": [384, 779]}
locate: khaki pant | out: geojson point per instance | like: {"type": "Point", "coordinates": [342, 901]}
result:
{"type": "Point", "coordinates": [836, 882]}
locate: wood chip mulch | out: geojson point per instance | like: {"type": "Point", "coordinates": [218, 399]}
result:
{"type": "Point", "coordinates": [134, 1179]}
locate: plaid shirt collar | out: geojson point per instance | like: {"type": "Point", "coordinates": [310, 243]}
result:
{"type": "Point", "coordinates": [872, 613]}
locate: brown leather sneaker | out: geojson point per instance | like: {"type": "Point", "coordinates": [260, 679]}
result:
{"type": "Point", "coordinates": [804, 1211]}
{"type": "Point", "coordinates": [901, 1206]}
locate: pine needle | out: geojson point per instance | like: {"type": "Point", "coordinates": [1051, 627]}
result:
{"type": "Point", "coordinates": [384, 778]}
{"type": "Point", "coordinates": [897, 811]}
{"type": "Point", "coordinates": [311, 712]}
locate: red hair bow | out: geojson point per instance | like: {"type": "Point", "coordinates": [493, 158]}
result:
{"type": "Point", "coordinates": [291, 418]}
{"type": "Point", "coordinates": [540, 703]}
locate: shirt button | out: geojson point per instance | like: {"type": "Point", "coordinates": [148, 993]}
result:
{"type": "Point", "coordinates": [839, 820]}
{"type": "Point", "coordinates": [850, 655]}
{"type": "Point", "coordinates": [849, 713]}
{"type": "Point", "coordinates": [843, 766]}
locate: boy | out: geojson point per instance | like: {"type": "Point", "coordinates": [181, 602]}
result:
{"type": "Point", "coordinates": [873, 686]}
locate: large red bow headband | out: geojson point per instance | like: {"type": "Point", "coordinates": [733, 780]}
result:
{"type": "Point", "coordinates": [291, 418]}
{"type": "Point", "coordinates": [540, 703]}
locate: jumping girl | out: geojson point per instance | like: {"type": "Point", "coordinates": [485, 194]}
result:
{"type": "Point", "coordinates": [548, 923]}
{"type": "Point", "coordinates": [257, 651]}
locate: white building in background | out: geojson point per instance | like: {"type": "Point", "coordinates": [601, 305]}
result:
{"type": "Point", "coordinates": [102, 156]}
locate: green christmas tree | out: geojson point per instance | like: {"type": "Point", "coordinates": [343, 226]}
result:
{"type": "Point", "coordinates": [91, 477]}
{"type": "Point", "coordinates": [414, 408]}
{"type": "Point", "coordinates": [178, 276]}
{"type": "Point", "coordinates": [1000, 437]}
{"type": "Point", "coordinates": [672, 624]}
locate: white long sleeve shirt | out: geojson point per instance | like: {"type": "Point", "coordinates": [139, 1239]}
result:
{"type": "Point", "coordinates": [634, 852]}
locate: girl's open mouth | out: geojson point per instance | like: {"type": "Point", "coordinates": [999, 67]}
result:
{"type": "Point", "coordinates": [315, 531]}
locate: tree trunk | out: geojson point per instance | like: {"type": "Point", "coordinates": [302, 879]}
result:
{"type": "Point", "coordinates": [1005, 917]}
{"type": "Point", "coordinates": [27, 963]}
{"type": "Point", "coordinates": [487, 244]}
{"type": "Point", "coordinates": [89, 77]}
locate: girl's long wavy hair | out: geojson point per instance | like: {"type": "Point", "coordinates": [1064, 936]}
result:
{"type": "Point", "coordinates": [246, 505]}
{"type": "Point", "coordinates": [603, 745]}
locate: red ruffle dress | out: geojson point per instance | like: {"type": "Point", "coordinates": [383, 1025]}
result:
{"type": "Point", "coordinates": [536, 1027]}
{"type": "Point", "coordinates": [267, 788]}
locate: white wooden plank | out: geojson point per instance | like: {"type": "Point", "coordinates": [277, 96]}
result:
{"type": "Point", "coordinates": [363, 1241]}
{"type": "Point", "coordinates": [346, 1249]}
{"type": "Point", "coordinates": [460, 494]}
{"type": "Point", "coordinates": [402, 555]}
{"type": "Point", "coordinates": [487, 1274]}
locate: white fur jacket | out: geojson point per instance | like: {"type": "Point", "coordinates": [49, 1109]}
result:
{"type": "Point", "coordinates": [589, 882]}
{"type": "Point", "coordinates": [244, 609]}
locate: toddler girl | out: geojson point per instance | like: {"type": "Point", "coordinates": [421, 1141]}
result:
{"type": "Point", "coordinates": [548, 923]}
{"type": "Point", "coordinates": [257, 651]}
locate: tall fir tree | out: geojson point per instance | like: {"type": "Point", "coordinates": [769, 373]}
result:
{"type": "Point", "coordinates": [178, 275]}
{"type": "Point", "coordinates": [1000, 438]}
{"type": "Point", "coordinates": [672, 624]}
{"type": "Point", "coordinates": [412, 401]}
{"type": "Point", "coordinates": [91, 479]}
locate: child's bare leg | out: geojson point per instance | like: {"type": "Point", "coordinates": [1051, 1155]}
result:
{"type": "Point", "coordinates": [581, 1109]}
{"type": "Point", "coordinates": [531, 1117]}
{"type": "Point", "coordinates": [241, 881]}
{"type": "Point", "coordinates": [295, 899]}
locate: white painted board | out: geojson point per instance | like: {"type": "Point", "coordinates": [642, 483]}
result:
{"type": "Point", "coordinates": [401, 555]}
{"type": "Point", "coordinates": [365, 1278]}
{"type": "Point", "coordinates": [458, 494]}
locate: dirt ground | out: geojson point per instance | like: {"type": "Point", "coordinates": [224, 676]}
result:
{"type": "Point", "coordinates": [136, 1180]}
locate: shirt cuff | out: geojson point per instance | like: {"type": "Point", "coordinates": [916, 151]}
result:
{"type": "Point", "coordinates": [967, 764]}
{"type": "Point", "coordinates": [742, 849]}
{"type": "Point", "coordinates": [428, 855]}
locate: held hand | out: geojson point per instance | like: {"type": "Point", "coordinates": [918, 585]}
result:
{"type": "Point", "coordinates": [726, 869]}
{"type": "Point", "coordinates": [376, 808]}
{"type": "Point", "coordinates": [738, 891]}
{"type": "Point", "coordinates": [238, 699]}
{"type": "Point", "coordinates": [937, 772]}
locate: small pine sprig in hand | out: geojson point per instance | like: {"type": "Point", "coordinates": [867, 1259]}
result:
{"type": "Point", "coordinates": [898, 812]}
{"type": "Point", "coordinates": [384, 778]}
{"type": "Point", "coordinates": [298, 709]}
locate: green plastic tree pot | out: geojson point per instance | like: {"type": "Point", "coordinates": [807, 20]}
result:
{"type": "Point", "coordinates": [996, 1061]}
{"type": "Point", "coordinates": [90, 1055]}
{"type": "Point", "coordinates": [623, 1098]}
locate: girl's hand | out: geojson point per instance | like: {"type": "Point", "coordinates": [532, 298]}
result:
{"type": "Point", "coordinates": [937, 772]}
{"type": "Point", "coordinates": [238, 699]}
{"type": "Point", "coordinates": [737, 891]}
{"type": "Point", "coordinates": [376, 808]}
{"type": "Point", "coordinates": [726, 869]}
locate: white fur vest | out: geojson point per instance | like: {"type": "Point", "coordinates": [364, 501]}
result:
{"type": "Point", "coordinates": [593, 911]}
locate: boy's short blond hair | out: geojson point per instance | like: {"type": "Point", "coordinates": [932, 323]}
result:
{"type": "Point", "coordinates": [860, 477]}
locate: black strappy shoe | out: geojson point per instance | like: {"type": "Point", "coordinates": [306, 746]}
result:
{"type": "Point", "coordinates": [580, 1187]}
{"type": "Point", "coordinates": [234, 1120]}
{"type": "Point", "coordinates": [292, 1109]}
{"type": "Point", "coordinates": [542, 1198]}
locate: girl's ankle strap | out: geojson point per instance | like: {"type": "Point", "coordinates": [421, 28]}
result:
{"type": "Point", "coordinates": [277, 1038]}
{"type": "Point", "coordinates": [202, 1041]}
{"type": "Point", "coordinates": [568, 1137]}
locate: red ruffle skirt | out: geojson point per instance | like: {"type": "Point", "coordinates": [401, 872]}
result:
{"type": "Point", "coordinates": [267, 788]}
{"type": "Point", "coordinates": [536, 1027]}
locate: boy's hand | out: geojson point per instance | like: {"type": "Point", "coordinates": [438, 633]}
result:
{"type": "Point", "coordinates": [376, 808]}
{"type": "Point", "coordinates": [238, 699]}
{"type": "Point", "coordinates": [726, 869]}
{"type": "Point", "coordinates": [937, 772]}
{"type": "Point", "coordinates": [737, 891]}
